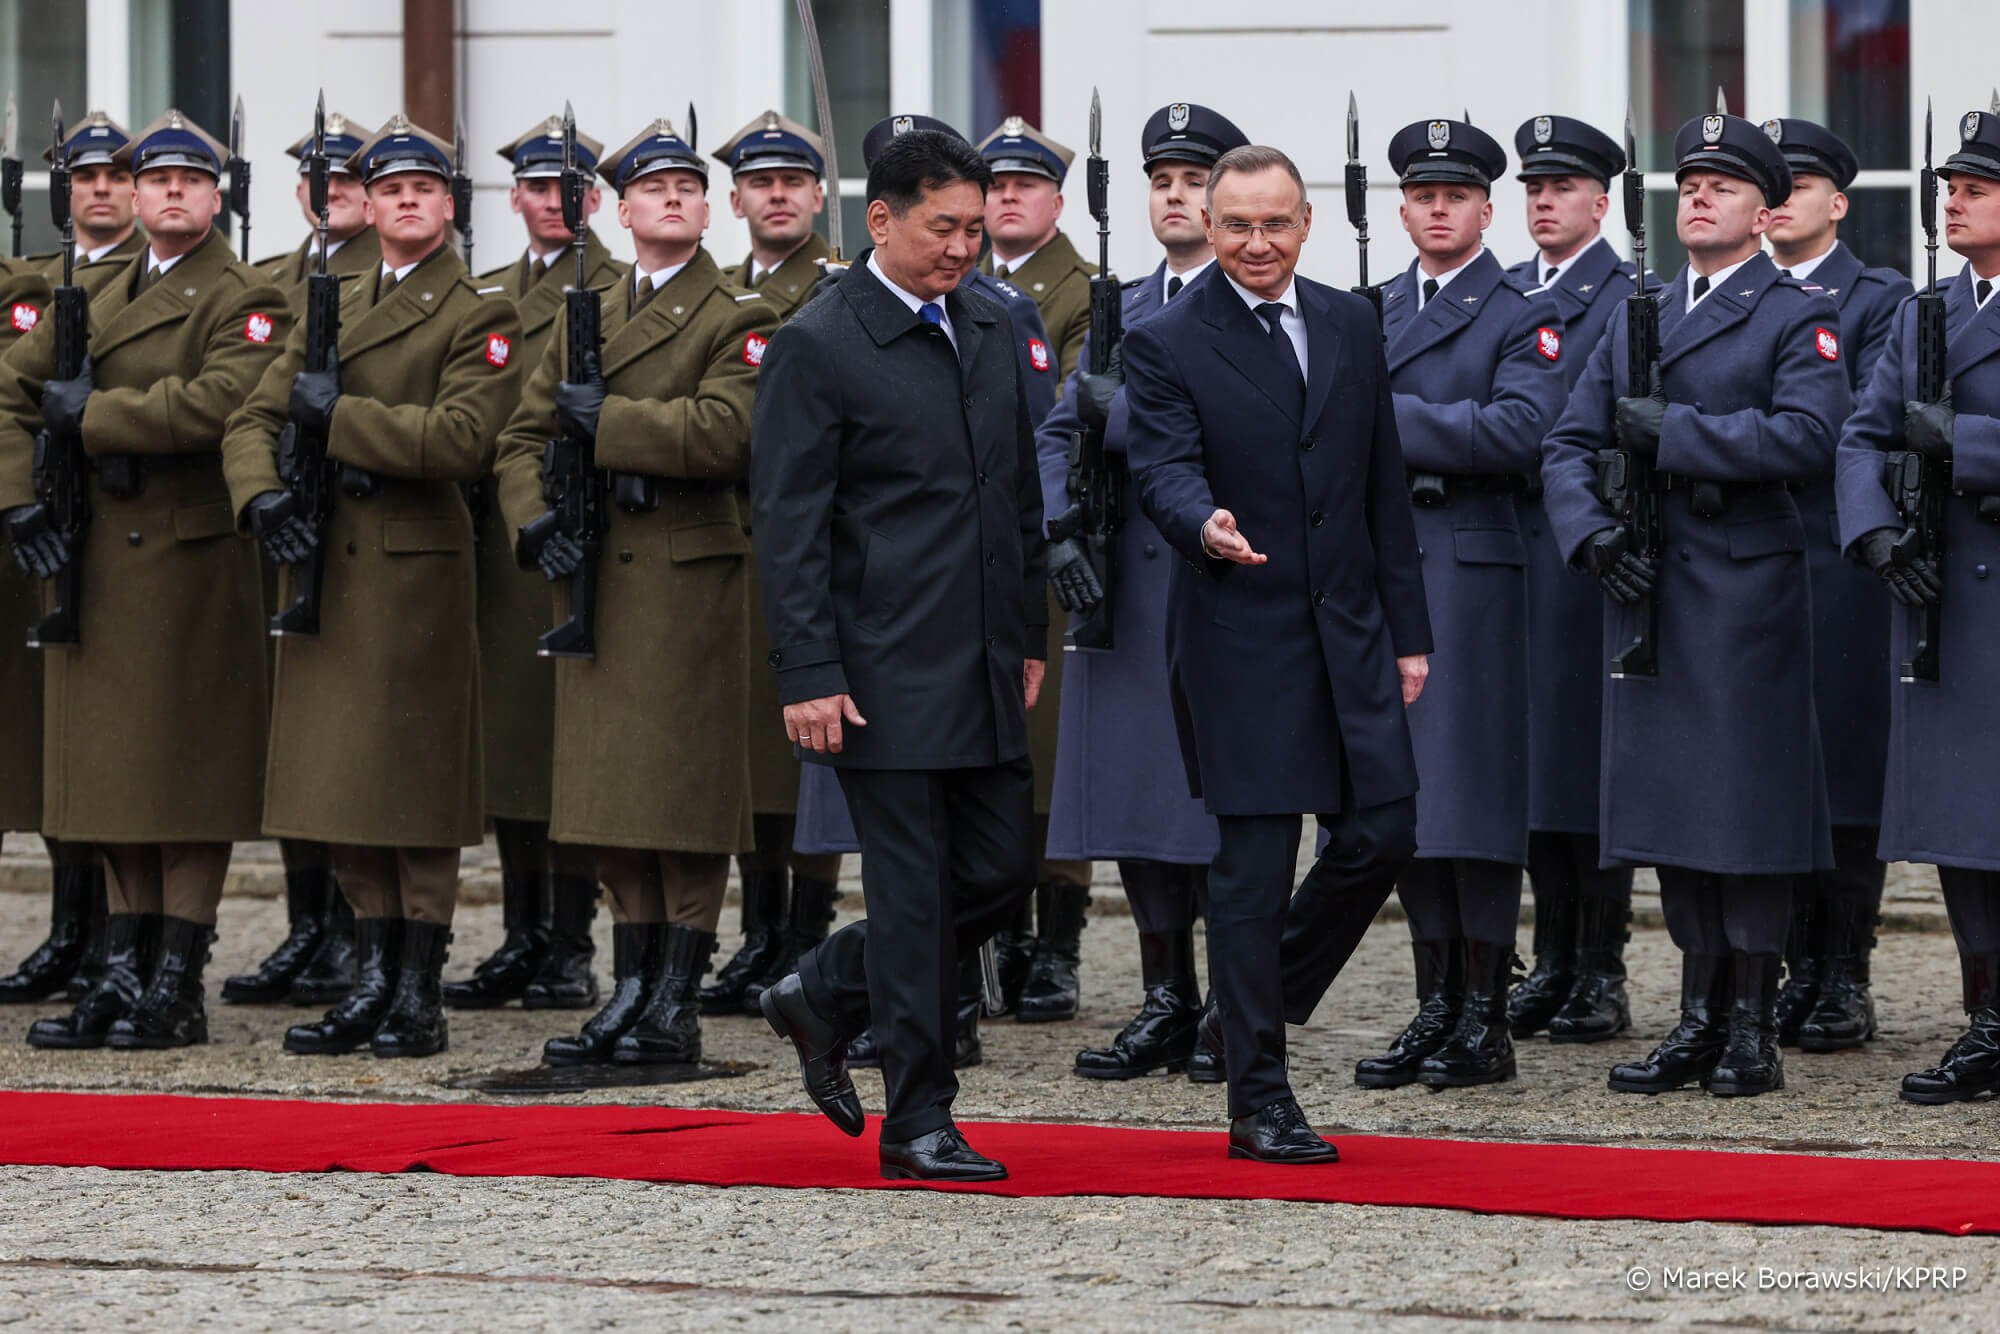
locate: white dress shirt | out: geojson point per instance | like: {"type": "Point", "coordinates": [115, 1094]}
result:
{"type": "Point", "coordinates": [1549, 275]}
{"type": "Point", "coordinates": [1715, 280]}
{"type": "Point", "coordinates": [1804, 268]}
{"type": "Point", "coordinates": [397, 274]}
{"type": "Point", "coordinates": [1442, 279]}
{"type": "Point", "coordinates": [1292, 322]}
{"type": "Point", "coordinates": [1012, 265]}
{"type": "Point", "coordinates": [156, 267]}
{"type": "Point", "coordinates": [912, 300]}
{"type": "Point", "coordinates": [658, 277]}
{"type": "Point", "coordinates": [96, 253]}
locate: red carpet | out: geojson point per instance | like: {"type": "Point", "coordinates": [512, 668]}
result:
{"type": "Point", "coordinates": [721, 1148]}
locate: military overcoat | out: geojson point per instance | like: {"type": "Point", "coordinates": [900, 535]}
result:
{"type": "Point", "coordinates": [24, 300]}
{"type": "Point", "coordinates": [92, 274]}
{"type": "Point", "coordinates": [359, 256]}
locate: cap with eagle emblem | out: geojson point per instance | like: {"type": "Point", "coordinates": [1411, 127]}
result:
{"type": "Point", "coordinates": [1564, 146]}
{"type": "Point", "coordinates": [1730, 145]}
{"type": "Point", "coordinates": [539, 153]}
{"type": "Point", "coordinates": [658, 147]}
{"type": "Point", "coordinates": [341, 143]}
{"type": "Point", "coordinates": [889, 127]}
{"type": "Point", "coordinates": [771, 143]}
{"type": "Point", "coordinates": [1978, 149]}
{"type": "Point", "coordinates": [401, 146]}
{"type": "Point", "coordinates": [1446, 150]}
{"type": "Point", "coordinates": [1188, 132]}
{"type": "Point", "coordinates": [1019, 147]}
{"type": "Point", "coordinates": [173, 141]}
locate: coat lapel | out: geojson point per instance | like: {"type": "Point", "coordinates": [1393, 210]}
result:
{"type": "Point", "coordinates": [1978, 336]}
{"type": "Point", "coordinates": [1448, 312]}
{"type": "Point", "coordinates": [1322, 347]}
{"type": "Point", "coordinates": [1579, 286]}
{"type": "Point", "coordinates": [663, 316]}
{"type": "Point", "coordinates": [165, 301]}
{"type": "Point", "coordinates": [1727, 305]}
{"type": "Point", "coordinates": [412, 301]}
{"type": "Point", "coordinates": [1241, 339]}
{"type": "Point", "coordinates": [1839, 273]}
{"type": "Point", "coordinates": [971, 328]}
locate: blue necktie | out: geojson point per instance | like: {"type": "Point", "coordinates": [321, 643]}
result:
{"type": "Point", "coordinates": [932, 313]}
{"type": "Point", "coordinates": [1288, 355]}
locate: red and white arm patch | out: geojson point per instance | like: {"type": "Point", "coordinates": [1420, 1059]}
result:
{"type": "Point", "coordinates": [1548, 342]}
{"type": "Point", "coordinates": [753, 349]}
{"type": "Point", "coordinates": [498, 349]}
{"type": "Point", "coordinates": [258, 329]}
{"type": "Point", "coordinates": [1038, 354]}
{"type": "Point", "coordinates": [1826, 343]}
{"type": "Point", "coordinates": [25, 317]}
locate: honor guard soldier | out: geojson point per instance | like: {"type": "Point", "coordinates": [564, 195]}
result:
{"type": "Point", "coordinates": [314, 964]}
{"type": "Point", "coordinates": [1825, 1004]}
{"type": "Point", "coordinates": [777, 187]}
{"type": "Point", "coordinates": [1038, 973]}
{"type": "Point", "coordinates": [548, 891]}
{"type": "Point", "coordinates": [1108, 800]}
{"type": "Point", "coordinates": [72, 952]}
{"type": "Point", "coordinates": [156, 704]}
{"type": "Point", "coordinates": [651, 759]}
{"type": "Point", "coordinates": [375, 719]}
{"type": "Point", "coordinates": [823, 823]}
{"type": "Point", "coordinates": [1945, 708]}
{"type": "Point", "coordinates": [1712, 768]}
{"type": "Point", "coordinates": [1476, 363]}
{"type": "Point", "coordinates": [1577, 988]}
{"type": "Point", "coordinates": [101, 201]}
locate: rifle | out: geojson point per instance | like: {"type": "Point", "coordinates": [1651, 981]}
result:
{"type": "Point", "coordinates": [302, 462]}
{"type": "Point", "coordinates": [1625, 479]}
{"type": "Point", "coordinates": [62, 473]}
{"type": "Point", "coordinates": [1094, 487]}
{"type": "Point", "coordinates": [572, 483]}
{"type": "Point", "coordinates": [239, 182]}
{"type": "Point", "coordinates": [1357, 205]}
{"type": "Point", "coordinates": [11, 174]}
{"type": "Point", "coordinates": [461, 195]}
{"type": "Point", "coordinates": [1918, 485]}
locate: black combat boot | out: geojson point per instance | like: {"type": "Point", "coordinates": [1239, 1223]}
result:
{"type": "Point", "coordinates": [1804, 946]}
{"type": "Point", "coordinates": [414, 1023]}
{"type": "Point", "coordinates": [668, 1030]}
{"type": "Point", "coordinates": [86, 863]}
{"type": "Point", "coordinates": [1480, 1049]}
{"type": "Point", "coordinates": [504, 975]}
{"type": "Point", "coordinates": [1596, 1007]}
{"type": "Point", "coordinates": [306, 901]}
{"type": "Point", "coordinates": [1049, 995]}
{"type": "Point", "coordinates": [1162, 1035]}
{"type": "Point", "coordinates": [763, 929]}
{"type": "Point", "coordinates": [1751, 1061]}
{"type": "Point", "coordinates": [350, 1025]}
{"type": "Point", "coordinates": [1972, 1066]}
{"type": "Point", "coordinates": [50, 966]}
{"type": "Point", "coordinates": [812, 914]}
{"type": "Point", "coordinates": [635, 954]}
{"type": "Point", "coordinates": [1843, 1016]}
{"type": "Point", "coordinates": [1440, 994]}
{"type": "Point", "coordinates": [170, 1012]}
{"type": "Point", "coordinates": [130, 942]}
{"type": "Point", "coordinates": [1695, 1044]}
{"type": "Point", "coordinates": [567, 979]}
{"type": "Point", "coordinates": [1205, 1066]}
{"type": "Point", "coordinates": [330, 974]}
{"type": "Point", "coordinates": [1013, 955]}
{"type": "Point", "coordinates": [1542, 992]}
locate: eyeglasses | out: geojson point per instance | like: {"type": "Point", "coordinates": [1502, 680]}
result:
{"type": "Point", "coordinates": [1271, 230]}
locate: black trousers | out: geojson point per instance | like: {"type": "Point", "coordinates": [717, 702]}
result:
{"type": "Point", "coordinates": [1858, 874]}
{"type": "Point", "coordinates": [1565, 865]}
{"type": "Point", "coordinates": [1165, 896]}
{"type": "Point", "coordinates": [1460, 898]}
{"type": "Point", "coordinates": [1272, 953]}
{"type": "Point", "coordinates": [1972, 900]}
{"type": "Point", "coordinates": [946, 856]}
{"type": "Point", "coordinates": [1714, 914]}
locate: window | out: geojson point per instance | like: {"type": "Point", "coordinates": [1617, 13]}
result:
{"type": "Point", "coordinates": [854, 42]}
{"type": "Point", "coordinates": [1851, 73]}
{"type": "Point", "coordinates": [1680, 54]}
{"type": "Point", "coordinates": [41, 60]}
{"type": "Point", "coordinates": [986, 63]}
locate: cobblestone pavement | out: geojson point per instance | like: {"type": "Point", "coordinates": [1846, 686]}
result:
{"type": "Point", "coordinates": [248, 1250]}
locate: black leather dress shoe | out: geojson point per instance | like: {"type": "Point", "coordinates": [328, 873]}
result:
{"type": "Point", "coordinates": [1206, 1066]}
{"type": "Point", "coordinates": [822, 1053]}
{"type": "Point", "coordinates": [1279, 1134]}
{"type": "Point", "coordinates": [942, 1155]}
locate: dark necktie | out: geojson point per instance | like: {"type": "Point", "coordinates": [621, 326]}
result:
{"type": "Point", "coordinates": [147, 278]}
{"type": "Point", "coordinates": [1173, 286]}
{"type": "Point", "coordinates": [758, 275]}
{"type": "Point", "coordinates": [1700, 286]}
{"type": "Point", "coordinates": [1549, 281]}
{"type": "Point", "coordinates": [643, 294]}
{"type": "Point", "coordinates": [385, 285]}
{"type": "Point", "coordinates": [1430, 289]}
{"type": "Point", "coordinates": [1281, 342]}
{"type": "Point", "coordinates": [1786, 272]}
{"type": "Point", "coordinates": [1982, 291]}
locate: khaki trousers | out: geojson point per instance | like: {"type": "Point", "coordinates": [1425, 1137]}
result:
{"type": "Point", "coordinates": [678, 888]}
{"type": "Point", "coordinates": [178, 879]}
{"type": "Point", "coordinates": [420, 884]}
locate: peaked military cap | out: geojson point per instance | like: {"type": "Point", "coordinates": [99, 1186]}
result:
{"type": "Point", "coordinates": [1020, 147]}
{"type": "Point", "coordinates": [1446, 150]}
{"type": "Point", "coordinates": [1734, 147]}
{"type": "Point", "coordinates": [92, 141]}
{"type": "Point", "coordinates": [342, 140]}
{"type": "Point", "coordinates": [173, 141]}
{"type": "Point", "coordinates": [1187, 132]}
{"type": "Point", "coordinates": [1814, 150]}
{"type": "Point", "coordinates": [400, 146]}
{"type": "Point", "coordinates": [539, 152]}
{"type": "Point", "coordinates": [882, 131]}
{"type": "Point", "coordinates": [656, 148]}
{"type": "Point", "coordinates": [771, 142]}
{"type": "Point", "coordinates": [1978, 147]}
{"type": "Point", "coordinates": [1566, 146]}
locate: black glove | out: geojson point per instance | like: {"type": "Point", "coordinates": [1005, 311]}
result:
{"type": "Point", "coordinates": [38, 548]}
{"type": "Point", "coordinates": [577, 406]}
{"type": "Point", "coordinates": [1095, 392]}
{"type": "Point", "coordinates": [275, 522]}
{"type": "Point", "coordinates": [1627, 578]}
{"type": "Point", "coordinates": [63, 401]}
{"type": "Point", "coordinates": [1077, 586]}
{"type": "Point", "coordinates": [1911, 578]}
{"type": "Point", "coordinates": [313, 395]}
{"type": "Point", "coordinates": [554, 552]}
{"type": "Point", "coordinates": [1640, 419]}
{"type": "Point", "coordinates": [1928, 427]}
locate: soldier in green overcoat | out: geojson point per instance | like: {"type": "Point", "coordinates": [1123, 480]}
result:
{"type": "Point", "coordinates": [101, 202]}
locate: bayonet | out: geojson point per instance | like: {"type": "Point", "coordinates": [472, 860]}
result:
{"type": "Point", "coordinates": [1357, 203]}
{"type": "Point", "coordinates": [575, 186]}
{"type": "Point", "coordinates": [461, 192]}
{"type": "Point", "coordinates": [1721, 101]}
{"type": "Point", "coordinates": [317, 169]}
{"type": "Point", "coordinates": [239, 181]}
{"type": "Point", "coordinates": [823, 108]}
{"type": "Point", "coordinates": [11, 175]}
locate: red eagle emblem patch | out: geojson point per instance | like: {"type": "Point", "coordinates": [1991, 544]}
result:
{"type": "Point", "coordinates": [257, 329]}
{"type": "Point", "coordinates": [753, 349]}
{"type": "Point", "coordinates": [1038, 354]}
{"type": "Point", "coordinates": [498, 349]}
{"type": "Point", "coordinates": [1827, 344]}
{"type": "Point", "coordinates": [1549, 343]}
{"type": "Point", "coordinates": [26, 316]}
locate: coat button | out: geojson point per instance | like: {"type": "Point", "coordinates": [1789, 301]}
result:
{"type": "Point", "coordinates": [1319, 598]}
{"type": "Point", "coordinates": [350, 548]}
{"type": "Point", "coordinates": [992, 641]}
{"type": "Point", "coordinates": [1151, 551]}
{"type": "Point", "coordinates": [1307, 444]}
{"type": "Point", "coordinates": [775, 658]}
{"type": "Point", "coordinates": [1979, 570]}
{"type": "Point", "coordinates": [982, 479]}
{"type": "Point", "coordinates": [968, 402]}
{"type": "Point", "coordinates": [134, 538]}
{"type": "Point", "coordinates": [1316, 518]}
{"type": "Point", "coordinates": [1686, 555]}
{"type": "Point", "coordinates": [624, 558]}
{"type": "Point", "coordinates": [992, 559]}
